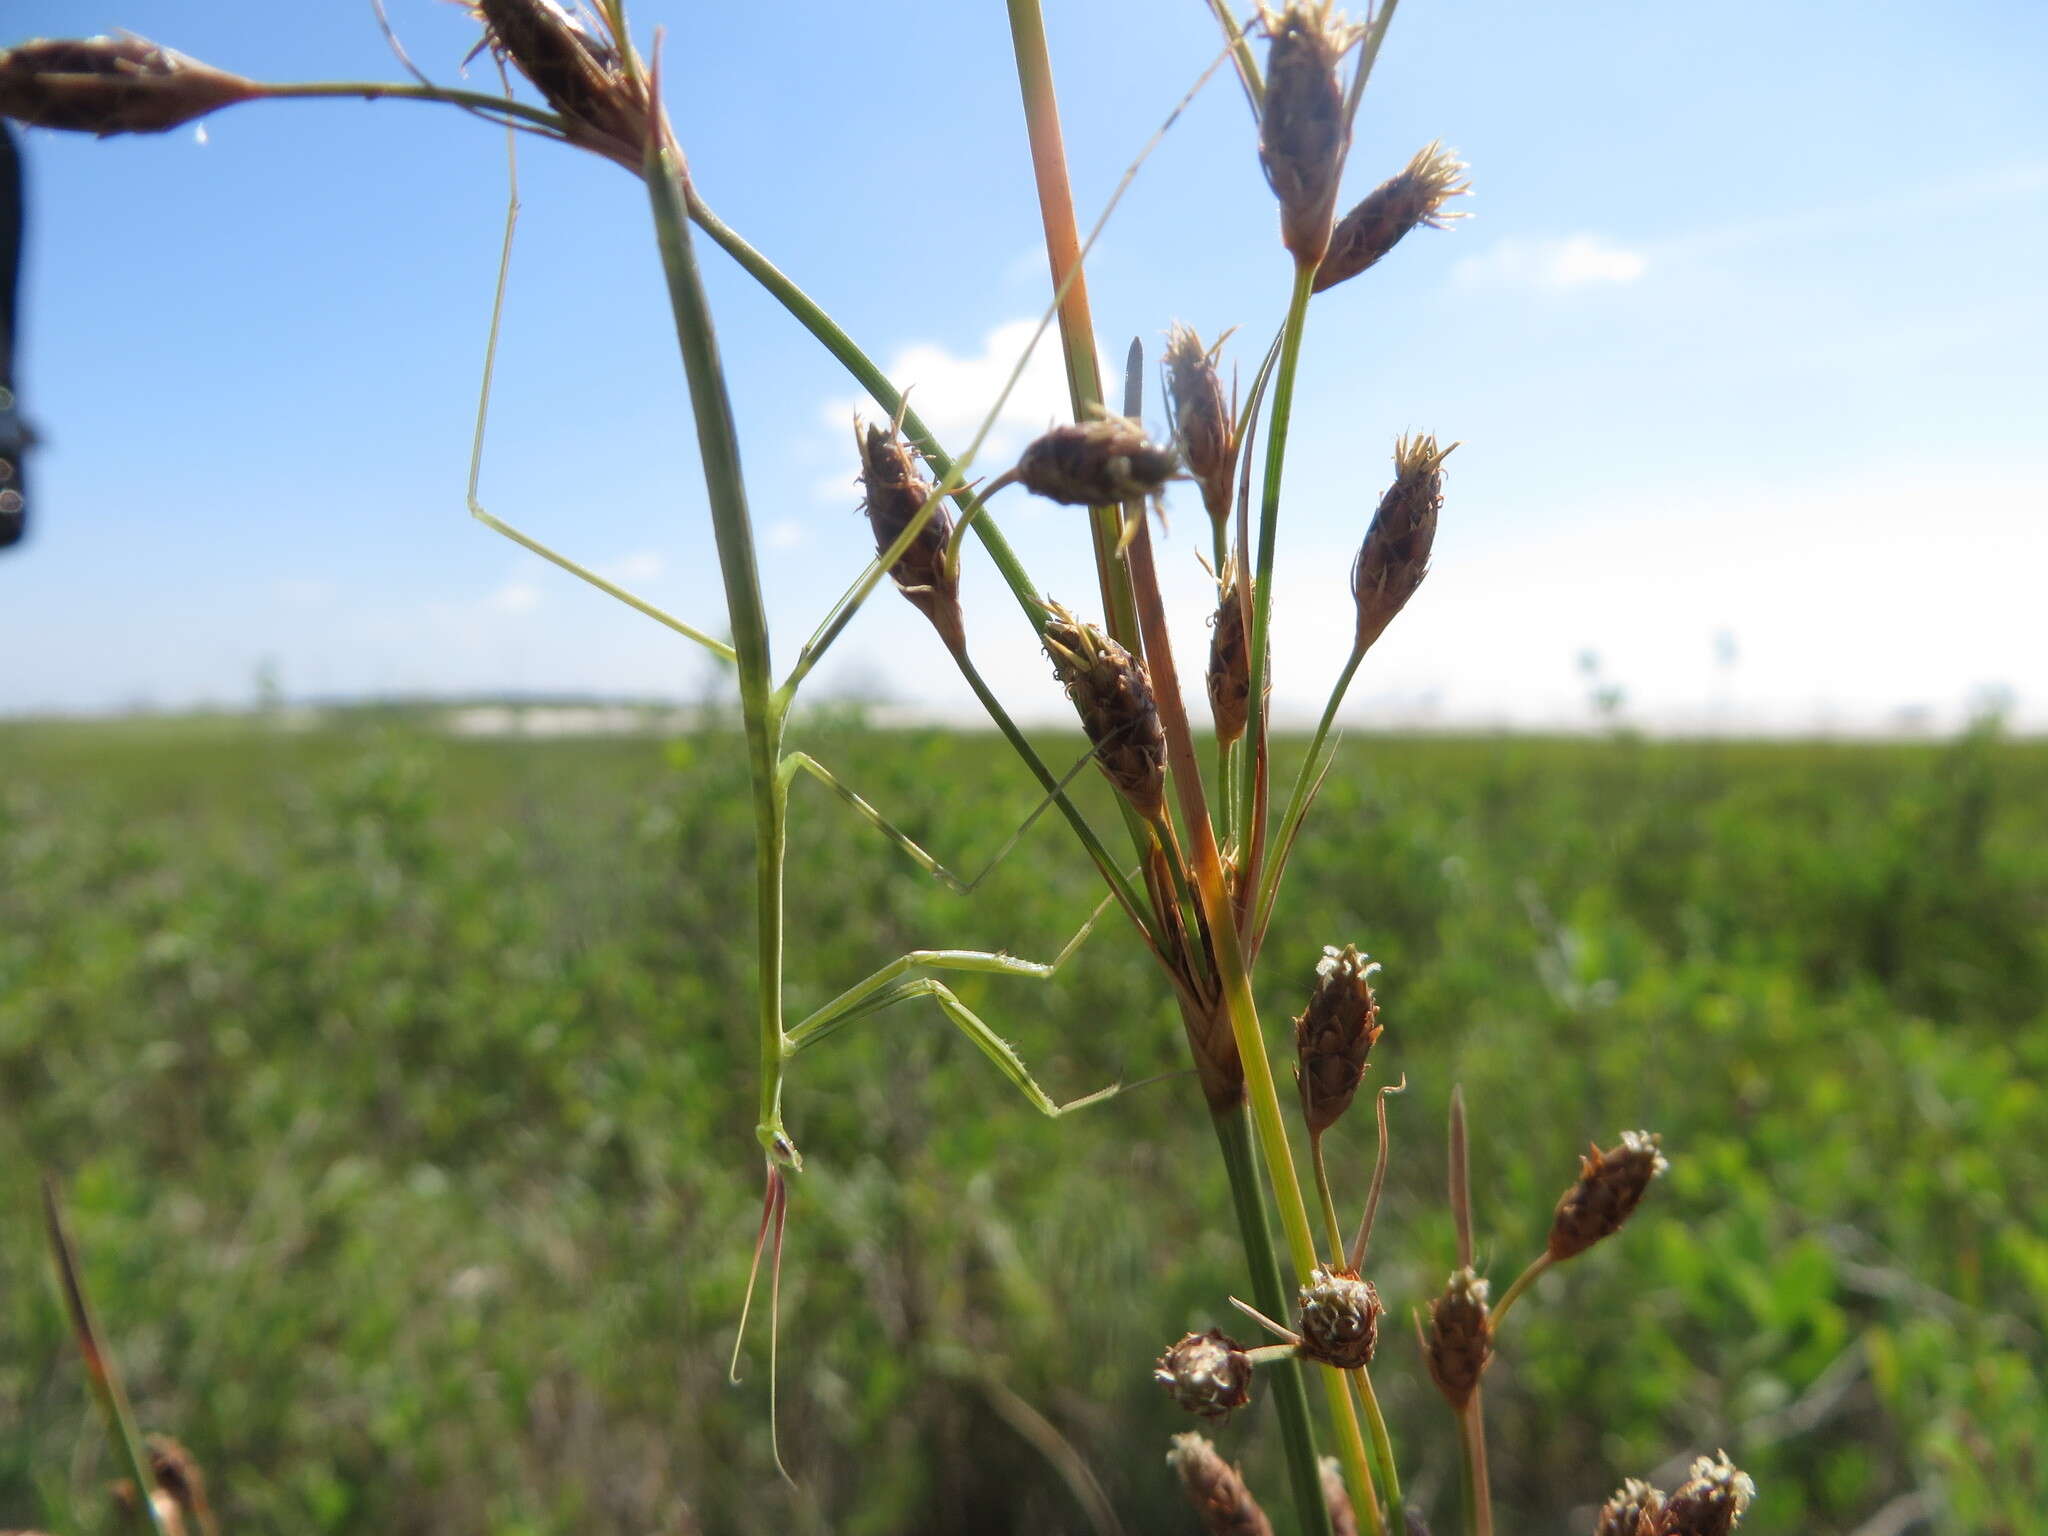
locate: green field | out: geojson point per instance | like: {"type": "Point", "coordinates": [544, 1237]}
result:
{"type": "Point", "coordinates": [402, 1088]}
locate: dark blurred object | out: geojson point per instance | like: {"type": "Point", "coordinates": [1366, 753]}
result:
{"type": "Point", "coordinates": [14, 433]}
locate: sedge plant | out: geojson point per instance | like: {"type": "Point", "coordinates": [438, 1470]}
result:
{"type": "Point", "coordinates": [1195, 865]}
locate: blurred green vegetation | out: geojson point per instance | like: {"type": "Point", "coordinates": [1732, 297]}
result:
{"type": "Point", "coordinates": [402, 1087]}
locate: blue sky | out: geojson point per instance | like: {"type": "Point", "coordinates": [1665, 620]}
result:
{"type": "Point", "coordinates": [1744, 343]}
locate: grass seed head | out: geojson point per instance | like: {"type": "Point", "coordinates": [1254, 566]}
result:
{"type": "Point", "coordinates": [108, 85]}
{"type": "Point", "coordinates": [1206, 1373]}
{"type": "Point", "coordinates": [1610, 1186]}
{"type": "Point", "coordinates": [1202, 422]}
{"type": "Point", "coordinates": [1113, 694]}
{"type": "Point", "coordinates": [1230, 664]}
{"type": "Point", "coordinates": [1334, 1035]}
{"type": "Point", "coordinates": [1303, 132]}
{"type": "Point", "coordinates": [1096, 463]}
{"type": "Point", "coordinates": [577, 71]}
{"type": "Point", "coordinates": [1635, 1510]}
{"type": "Point", "coordinates": [1216, 1489]}
{"type": "Point", "coordinates": [896, 494]}
{"type": "Point", "coordinates": [1710, 1502]}
{"type": "Point", "coordinates": [1339, 1322]}
{"type": "Point", "coordinates": [1395, 555]}
{"type": "Point", "coordinates": [1390, 210]}
{"type": "Point", "coordinates": [1459, 1345]}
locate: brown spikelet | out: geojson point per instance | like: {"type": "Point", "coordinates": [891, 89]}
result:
{"type": "Point", "coordinates": [1216, 1489]}
{"type": "Point", "coordinates": [1634, 1510]}
{"type": "Point", "coordinates": [1339, 1321]}
{"type": "Point", "coordinates": [1380, 220]}
{"type": "Point", "coordinates": [1609, 1187]}
{"type": "Point", "coordinates": [1206, 1373]}
{"type": "Point", "coordinates": [577, 71]}
{"type": "Point", "coordinates": [1095, 463]}
{"type": "Point", "coordinates": [1337, 1498]}
{"type": "Point", "coordinates": [1710, 1502]}
{"type": "Point", "coordinates": [1303, 132]}
{"type": "Point", "coordinates": [896, 493]}
{"type": "Point", "coordinates": [1459, 1345]}
{"type": "Point", "coordinates": [1395, 555]}
{"type": "Point", "coordinates": [1202, 423]}
{"type": "Point", "coordinates": [1230, 663]}
{"type": "Point", "coordinates": [108, 85]}
{"type": "Point", "coordinates": [178, 1477]}
{"type": "Point", "coordinates": [1110, 688]}
{"type": "Point", "coordinates": [1334, 1035]}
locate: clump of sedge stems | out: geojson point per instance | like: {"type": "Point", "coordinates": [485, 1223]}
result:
{"type": "Point", "coordinates": [1202, 854]}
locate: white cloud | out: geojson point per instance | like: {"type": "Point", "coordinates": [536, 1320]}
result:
{"type": "Point", "coordinates": [786, 534]}
{"type": "Point", "coordinates": [516, 597]}
{"type": "Point", "coordinates": [643, 565]}
{"type": "Point", "coordinates": [953, 392]}
{"type": "Point", "coordinates": [1568, 263]}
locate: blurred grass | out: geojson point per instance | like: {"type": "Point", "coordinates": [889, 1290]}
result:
{"type": "Point", "coordinates": [403, 1090]}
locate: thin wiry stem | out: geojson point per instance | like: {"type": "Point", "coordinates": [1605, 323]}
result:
{"type": "Point", "coordinates": [1355, 1257]}
{"type": "Point", "coordinates": [1235, 981]}
{"type": "Point", "coordinates": [498, 525]}
{"type": "Point", "coordinates": [1251, 813]}
{"type": "Point", "coordinates": [1523, 1281]}
{"type": "Point", "coordinates": [100, 1372]}
{"type": "Point", "coordinates": [1478, 1483]}
{"type": "Point", "coordinates": [1472, 1421]}
{"type": "Point", "coordinates": [1241, 56]}
{"type": "Point", "coordinates": [1297, 800]}
{"type": "Point", "coordinates": [1077, 328]}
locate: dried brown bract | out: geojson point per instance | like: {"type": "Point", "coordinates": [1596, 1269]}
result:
{"type": "Point", "coordinates": [1230, 664]}
{"type": "Point", "coordinates": [896, 493]}
{"type": "Point", "coordinates": [1110, 688]}
{"type": "Point", "coordinates": [1339, 1322]}
{"type": "Point", "coordinates": [1610, 1186]}
{"type": "Point", "coordinates": [1395, 555]}
{"type": "Point", "coordinates": [1459, 1344]}
{"type": "Point", "coordinates": [1206, 1373]}
{"type": "Point", "coordinates": [1334, 1035]}
{"type": "Point", "coordinates": [1202, 421]}
{"type": "Point", "coordinates": [1386, 214]}
{"type": "Point", "coordinates": [1097, 463]}
{"type": "Point", "coordinates": [1710, 1502]}
{"type": "Point", "coordinates": [1303, 132]}
{"type": "Point", "coordinates": [1216, 1489]}
{"type": "Point", "coordinates": [1634, 1510]}
{"type": "Point", "coordinates": [577, 71]}
{"type": "Point", "coordinates": [108, 85]}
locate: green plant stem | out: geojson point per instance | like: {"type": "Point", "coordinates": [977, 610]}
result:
{"type": "Point", "coordinates": [1285, 1383]}
{"type": "Point", "coordinates": [1077, 327]}
{"type": "Point", "coordinates": [1478, 1491]}
{"type": "Point", "coordinates": [1269, 528]}
{"type": "Point", "coordinates": [501, 107]}
{"type": "Point", "coordinates": [1297, 805]}
{"type": "Point", "coordinates": [1382, 1449]}
{"type": "Point", "coordinates": [1331, 1227]}
{"type": "Point", "coordinates": [1127, 897]}
{"type": "Point", "coordinates": [100, 1372]}
{"type": "Point", "coordinates": [1523, 1281]}
{"type": "Point", "coordinates": [761, 711]}
{"type": "Point", "coordinates": [1241, 56]}
{"type": "Point", "coordinates": [1235, 981]}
